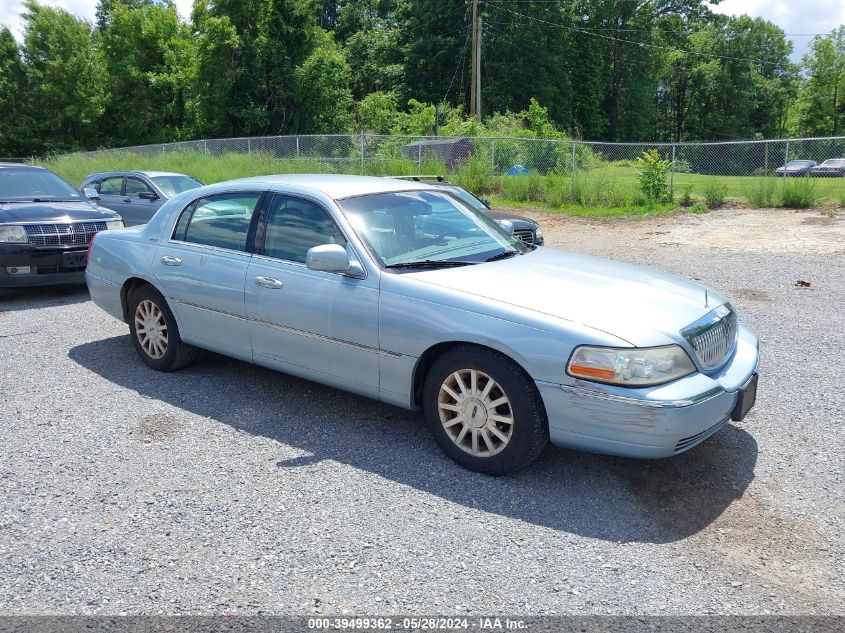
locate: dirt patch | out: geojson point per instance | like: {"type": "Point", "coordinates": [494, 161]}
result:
{"type": "Point", "coordinates": [812, 232]}
{"type": "Point", "coordinates": [750, 294]}
{"type": "Point", "coordinates": [157, 428]}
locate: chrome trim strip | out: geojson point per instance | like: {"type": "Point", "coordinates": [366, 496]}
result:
{"type": "Point", "coordinates": [52, 222]}
{"type": "Point", "coordinates": [319, 337]}
{"type": "Point", "coordinates": [639, 402]}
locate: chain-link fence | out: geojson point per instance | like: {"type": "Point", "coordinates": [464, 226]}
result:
{"type": "Point", "coordinates": [525, 155]}
{"type": "Point", "coordinates": [750, 170]}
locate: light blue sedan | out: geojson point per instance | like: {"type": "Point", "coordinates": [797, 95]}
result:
{"type": "Point", "coordinates": [398, 291]}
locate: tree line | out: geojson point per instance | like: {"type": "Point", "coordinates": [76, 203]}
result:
{"type": "Point", "coordinates": [669, 70]}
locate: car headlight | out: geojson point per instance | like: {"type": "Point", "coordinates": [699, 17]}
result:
{"type": "Point", "coordinates": [114, 224]}
{"type": "Point", "coordinates": [13, 234]}
{"type": "Point", "coordinates": [538, 236]}
{"type": "Point", "coordinates": [631, 366]}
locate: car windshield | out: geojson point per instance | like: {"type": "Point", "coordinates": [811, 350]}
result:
{"type": "Point", "coordinates": [427, 228]}
{"type": "Point", "coordinates": [834, 162]}
{"type": "Point", "coordinates": [799, 163]}
{"type": "Point", "coordinates": [25, 185]}
{"type": "Point", "coordinates": [468, 199]}
{"type": "Point", "coordinates": [174, 185]}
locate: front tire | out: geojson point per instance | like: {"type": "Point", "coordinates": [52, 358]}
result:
{"type": "Point", "coordinates": [484, 411]}
{"type": "Point", "coordinates": [154, 332]}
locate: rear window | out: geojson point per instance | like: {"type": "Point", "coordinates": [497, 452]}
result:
{"type": "Point", "coordinates": [34, 184]}
{"type": "Point", "coordinates": [174, 185]}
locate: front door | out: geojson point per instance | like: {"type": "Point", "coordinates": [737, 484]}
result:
{"type": "Point", "coordinates": [319, 325]}
{"type": "Point", "coordinates": [140, 202]}
{"type": "Point", "coordinates": [111, 194]}
{"type": "Point", "coordinates": [202, 268]}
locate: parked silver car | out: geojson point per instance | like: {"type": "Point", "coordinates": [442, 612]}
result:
{"type": "Point", "coordinates": [135, 195]}
{"type": "Point", "coordinates": [503, 345]}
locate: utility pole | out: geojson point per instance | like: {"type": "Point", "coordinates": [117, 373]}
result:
{"type": "Point", "coordinates": [473, 82]}
{"type": "Point", "coordinates": [478, 75]}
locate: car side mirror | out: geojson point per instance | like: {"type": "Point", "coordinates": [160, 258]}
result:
{"type": "Point", "coordinates": [507, 225]}
{"type": "Point", "coordinates": [147, 195]}
{"type": "Point", "coordinates": [91, 193]}
{"type": "Point", "coordinates": [486, 202]}
{"type": "Point", "coordinates": [333, 258]}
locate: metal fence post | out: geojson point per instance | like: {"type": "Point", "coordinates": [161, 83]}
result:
{"type": "Point", "coordinates": [297, 145]}
{"type": "Point", "coordinates": [672, 172]}
{"type": "Point", "coordinates": [249, 146]}
{"type": "Point", "coordinates": [493, 155]}
{"type": "Point", "coordinates": [574, 161]}
{"type": "Point", "coordinates": [362, 152]}
{"type": "Point", "coordinates": [419, 153]}
{"type": "Point", "coordinates": [785, 161]}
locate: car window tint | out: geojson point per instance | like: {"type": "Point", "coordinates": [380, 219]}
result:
{"type": "Point", "coordinates": [111, 186]}
{"type": "Point", "coordinates": [221, 221]}
{"type": "Point", "coordinates": [295, 225]}
{"type": "Point", "coordinates": [135, 186]}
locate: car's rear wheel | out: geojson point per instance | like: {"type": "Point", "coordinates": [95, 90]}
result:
{"type": "Point", "coordinates": [484, 410]}
{"type": "Point", "coordinates": [155, 333]}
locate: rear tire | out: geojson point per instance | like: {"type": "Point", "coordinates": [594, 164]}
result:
{"type": "Point", "coordinates": [484, 411]}
{"type": "Point", "coordinates": [154, 332]}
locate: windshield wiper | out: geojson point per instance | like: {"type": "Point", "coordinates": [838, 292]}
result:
{"type": "Point", "coordinates": [431, 263]}
{"type": "Point", "coordinates": [502, 255]}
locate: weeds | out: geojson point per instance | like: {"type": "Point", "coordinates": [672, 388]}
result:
{"type": "Point", "coordinates": [686, 197]}
{"type": "Point", "coordinates": [799, 193]}
{"type": "Point", "coordinates": [715, 193]}
{"type": "Point", "coordinates": [653, 176]}
{"type": "Point", "coordinates": [699, 207]}
{"type": "Point", "coordinates": [762, 193]}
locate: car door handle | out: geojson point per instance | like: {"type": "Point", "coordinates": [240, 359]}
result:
{"type": "Point", "coordinates": [167, 260]}
{"type": "Point", "coordinates": [268, 282]}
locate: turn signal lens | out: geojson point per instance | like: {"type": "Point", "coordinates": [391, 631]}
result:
{"type": "Point", "coordinates": [632, 366]}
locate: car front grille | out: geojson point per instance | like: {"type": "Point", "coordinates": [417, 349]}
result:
{"type": "Point", "coordinates": [526, 235]}
{"type": "Point", "coordinates": [73, 234]}
{"type": "Point", "coordinates": [716, 342]}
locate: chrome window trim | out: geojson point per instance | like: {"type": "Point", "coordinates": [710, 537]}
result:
{"type": "Point", "coordinates": [174, 220]}
{"type": "Point", "coordinates": [209, 247]}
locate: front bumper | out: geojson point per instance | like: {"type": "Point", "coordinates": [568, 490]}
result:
{"type": "Point", "coordinates": [649, 423]}
{"type": "Point", "coordinates": [47, 266]}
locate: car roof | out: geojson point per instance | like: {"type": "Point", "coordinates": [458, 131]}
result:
{"type": "Point", "coordinates": [337, 186]}
{"type": "Point", "coordinates": [22, 166]}
{"type": "Point", "coordinates": [134, 172]}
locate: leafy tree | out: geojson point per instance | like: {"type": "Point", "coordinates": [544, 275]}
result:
{"type": "Point", "coordinates": [822, 107]}
{"type": "Point", "coordinates": [65, 78]}
{"type": "Point", "coordinates": [325, 99]}
{"type": "Point", "coordinates": [12, 95]}
{"type": "Point", "coordinates": [377, 112]}
{"type": "Point", "coordinates": [147, 52]}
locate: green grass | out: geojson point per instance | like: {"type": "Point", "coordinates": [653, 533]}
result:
{"type": "Point", "coordinates": [606, 190]}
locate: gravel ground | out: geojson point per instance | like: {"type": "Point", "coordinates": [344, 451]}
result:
{"type": "Point", "coordinates": [227, 488]}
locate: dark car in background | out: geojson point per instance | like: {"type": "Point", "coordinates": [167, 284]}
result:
{"type": "Point", "coordinates": [45, 227]}
{"type": "Point", "coordinates": [136, 195]}
{"type": "Point", "coordinates": [524, 228]}
{"type": "Point", "coordinates": [796, 168]}
{"type": "Point", "coordinates": [830, 167]}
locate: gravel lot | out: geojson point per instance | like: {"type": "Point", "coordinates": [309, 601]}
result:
{"type": "Point", "coordinates": [229, 488]}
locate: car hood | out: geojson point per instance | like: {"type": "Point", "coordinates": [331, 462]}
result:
{"type": "Point", "coordinates": [520, 221]}
{"type": "Point", "coordinates": [53, 212]}
{"type": "Point", "coordinates": [633, 303]}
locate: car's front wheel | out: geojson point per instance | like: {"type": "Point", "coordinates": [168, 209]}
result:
{"type": "Point", "coordinates": [155, 333]}
{"type": "Point", "coordinates": [484, 411]}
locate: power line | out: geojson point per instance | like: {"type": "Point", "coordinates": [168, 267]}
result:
{"type": "Point", "coordinates": [640, 44]}
{"type": "Point", "coordinates": [458, 67]}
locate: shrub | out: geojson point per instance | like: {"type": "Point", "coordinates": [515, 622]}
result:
{"type": "Point", "coordinates": [475, 175]}
{"type": "Point", "coordinates": [799, 193]}
{"type": "Point", "coordinates": [557, 190]}
{"type": "Point", "coordinates": [527, 188]}
{"type": "Point", "coordinates": [686, 196]}
{"type": "Point", "coordinates": [715, 193]}
{"type": "Point", "coordinates": [699, 207]}
{"type": "Point", "coordinates": [763, 193]}
{"type": "Point", "coordinates": [652, 174]}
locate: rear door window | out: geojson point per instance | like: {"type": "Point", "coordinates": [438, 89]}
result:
{"type": "Point", "coordinates": [111, 186]}
{"type": "Point", "coordinates": [222, 221]}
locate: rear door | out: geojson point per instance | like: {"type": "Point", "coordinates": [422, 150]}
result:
{"type": "Point", "coordinates": [140, 201]}
{"type": "Point", "coordinates": [202, 268]}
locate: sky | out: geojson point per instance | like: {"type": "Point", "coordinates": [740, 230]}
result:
{"type": "Point", "coordinates": [793, 16]}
